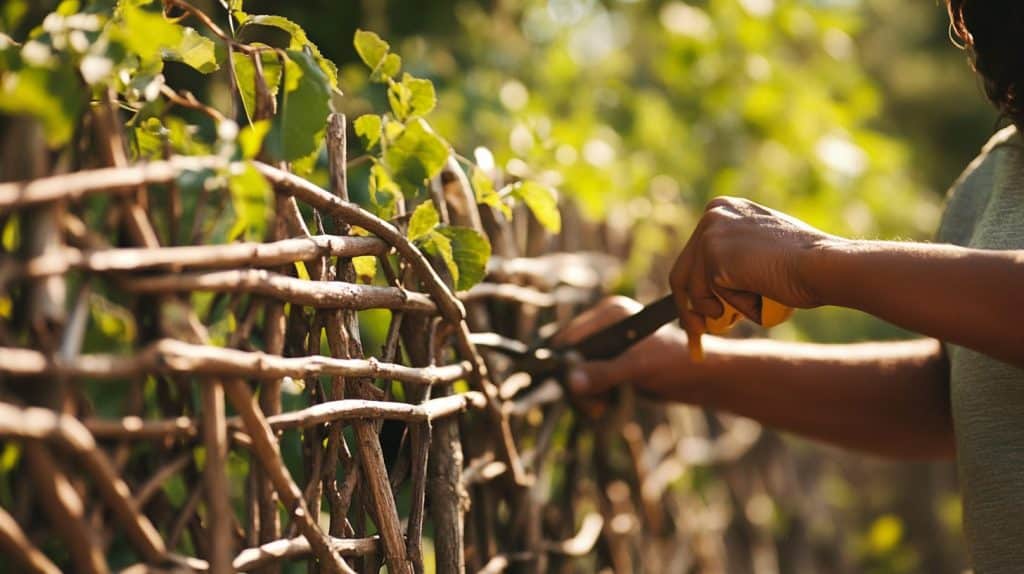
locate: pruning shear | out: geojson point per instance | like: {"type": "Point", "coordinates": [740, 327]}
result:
{"type": "Point", "coordinates": [545, 360]}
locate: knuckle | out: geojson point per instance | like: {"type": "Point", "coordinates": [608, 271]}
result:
{"type": "Point", "coordinates": [720, 202]}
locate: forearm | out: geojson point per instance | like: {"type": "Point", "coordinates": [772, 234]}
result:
{"type": "Point", "coordinates": [889, 399]}
{"type": "Point", "coordinates": [969, 297]}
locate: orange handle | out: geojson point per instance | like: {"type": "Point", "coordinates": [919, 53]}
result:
{"type": "Point", "coordinates": [772, 313]}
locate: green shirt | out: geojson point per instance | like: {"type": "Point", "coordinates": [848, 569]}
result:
{"type": "Point", "coordinates": [985, 210]}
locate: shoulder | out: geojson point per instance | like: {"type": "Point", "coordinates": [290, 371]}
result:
{"type": "Point", "coordinates": [1007, 142]}
{"type": "Point", "coordinates": [970, 193]}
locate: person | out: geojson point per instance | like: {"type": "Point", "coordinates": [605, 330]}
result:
{"type": "Point", "coordinates": [958, 391]}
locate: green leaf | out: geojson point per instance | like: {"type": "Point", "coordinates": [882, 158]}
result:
{"type": "Point", "coordinates": [375, 54]}
{"type": "Point", "coordinates": [423, 220]}
{"type": "Point", "coordinates": [194, 50]}
{"type": "Point", "coordinates": [440, 246]}
{"type": "Point", "coordinates": [298, 40]}
{"type": "Point", "coordinates": [470, 251]}
{"type": "Point", "coordinates": [541, 201]}
{"type": "Point", "coordinates": [415, 156]}
{"type": "Point", "coordinates": [368, 128]}
{"type": "Point", "coordinates": [365, 267]}
{"type": "Point", "coordinates": [483, 188]}
{"type": "Point", "coordinates": [411, 97]}
{"type": "Point", "coordinates": [388, 68]}
{"type": "Point", "coordinates": [251, 197]}
{"type": "Point", "coordinates": [146, 33]}
{"type": "Point", "coordinates": [250, 139]}
{"type": "Point", "coordinates": [307, 102]}
{"type": "Point", "coordinates": [384, 192]}
{"type": "Point", "coordinates": [371, 48]}
{"type": "Point", "coordinates": [245, 78]}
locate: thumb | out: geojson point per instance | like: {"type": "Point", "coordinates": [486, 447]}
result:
{"type": "Point", "coordinates": [596, 377]}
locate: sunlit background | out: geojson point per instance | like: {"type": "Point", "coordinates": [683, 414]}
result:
{"type": "Point", "coordinates": [854, 115]}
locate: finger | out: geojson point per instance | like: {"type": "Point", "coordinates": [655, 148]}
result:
{"type": "Point", "coordinates": [596, 377]}
{"type": "Point", "coordinates": [695, 326]}
{"type": "Point", "coordinates": [702, 297]}
{"type": "Point", "coordinates": [679, 276]}
{"type": "Point", "coordinates": [744, 301]}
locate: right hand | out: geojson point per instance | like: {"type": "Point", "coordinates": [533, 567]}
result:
{"type": "Point", "coordinates": [658, 365]}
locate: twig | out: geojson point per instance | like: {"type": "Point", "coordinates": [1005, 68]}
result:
{"type": "Point", "coordinates": [291, 548]}
{"type": "Point", "coordinates": [197, 256]}
{"type": "Point", "coordinates": [215, 478]}
{"type": "Point", "coordinates": [320, 294]}
{"type": "Point", "coordinates": [172, 356]}
{"type": "Point", "coordinates": [18, 547]}
{"type": "Point", "coordinates": [74, 186]}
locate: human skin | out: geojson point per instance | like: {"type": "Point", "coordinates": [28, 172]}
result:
{"type": "Point", "coordinates": [890, 399]}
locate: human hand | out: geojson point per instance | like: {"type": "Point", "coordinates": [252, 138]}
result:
{"type": "Point", "coordinates": [657, 365]}
{"type": "Point", "coordinates": [739, 253]}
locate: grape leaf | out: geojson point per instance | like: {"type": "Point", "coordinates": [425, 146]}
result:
{"type": "Point", "coordinates": [251, 197]}
{"type": "Point", "coordinates": [301, 124]}
{"type": "Point", "coordinates": [439, 246]}
{"type": "Point", "coordinates": [424, 220]}
{"type": "Point", "coordinates": [411, 97]}
{"type": "Point", "coordinates": [298, 40]}
{"type": "Point", "coordinates": [470, 252]}
{"type": "Point", "coordinates": [368, 128]}
{"type": "Point", "coordinates": [250, 139]}
{"type": "Point", "coordinates": [383, 192]}
{"type": "Point", "coordinates": [541, 201]}
{"type": "Point", "coordinates": [245, 78]}
{"type": "Point", "coordinates": [365, 268]}
{"type": "Point", "coordinates": [483, 188]}
{"type": "Point", "coordinates": [194, 50]}
{"type": "Point", "coordinates": [147, 34]}
{"type": "Point", "coordinates": [416, 155]}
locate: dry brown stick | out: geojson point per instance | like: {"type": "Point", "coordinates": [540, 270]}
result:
{"type": "Point", "coordinates": [420, 439]}
{"type": "Point", "coordinates": [197, 256]}
{"type": "Point", "coordinates": [113, 179]}
{"type": "Point", "coordinates": [320, 294]}
{"type": "Point", "coordinates": [215, 478]}
{"type": "Point", "coordinates": [17, 547]}
{"type": "Point", "coordinates": [386, 511]}
{"type": "Point", "coordinates": [266, 449]}
{"type": "Point", "coordinates": [172, 356]}
{"type": "Point", "coordinates": [291, 548]}
{"type": "Point", "coordinates": [447, 496]}
{"type": "Point", "coordinates": [37, 423]}
{"type": "Point", "coordinates": [361, 409]}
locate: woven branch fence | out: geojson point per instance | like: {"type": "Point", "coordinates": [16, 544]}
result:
{"type": "Point", "coordinates": [424, 438]}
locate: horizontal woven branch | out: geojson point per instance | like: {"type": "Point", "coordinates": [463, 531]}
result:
{"type": "Point", "coordinates": [81, 183]}
{"type": "Point", "coordinates": [136, 428]}
{"type": "Point", "coordinates": [196, 256]}
{"type": "Point", "coordinates": [319, 294]}
{"type": "Point", "coordinates": [169, 355]}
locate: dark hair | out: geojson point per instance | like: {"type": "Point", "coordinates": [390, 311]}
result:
{"type": "Point", "coordinates": [993, 32]}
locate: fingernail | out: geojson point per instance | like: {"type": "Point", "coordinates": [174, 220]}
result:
{"type": "Point", "coordinates": [579, 381]}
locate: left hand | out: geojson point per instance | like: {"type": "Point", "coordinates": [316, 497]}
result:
{"type": "Point", "coordinates": [741, 251]}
